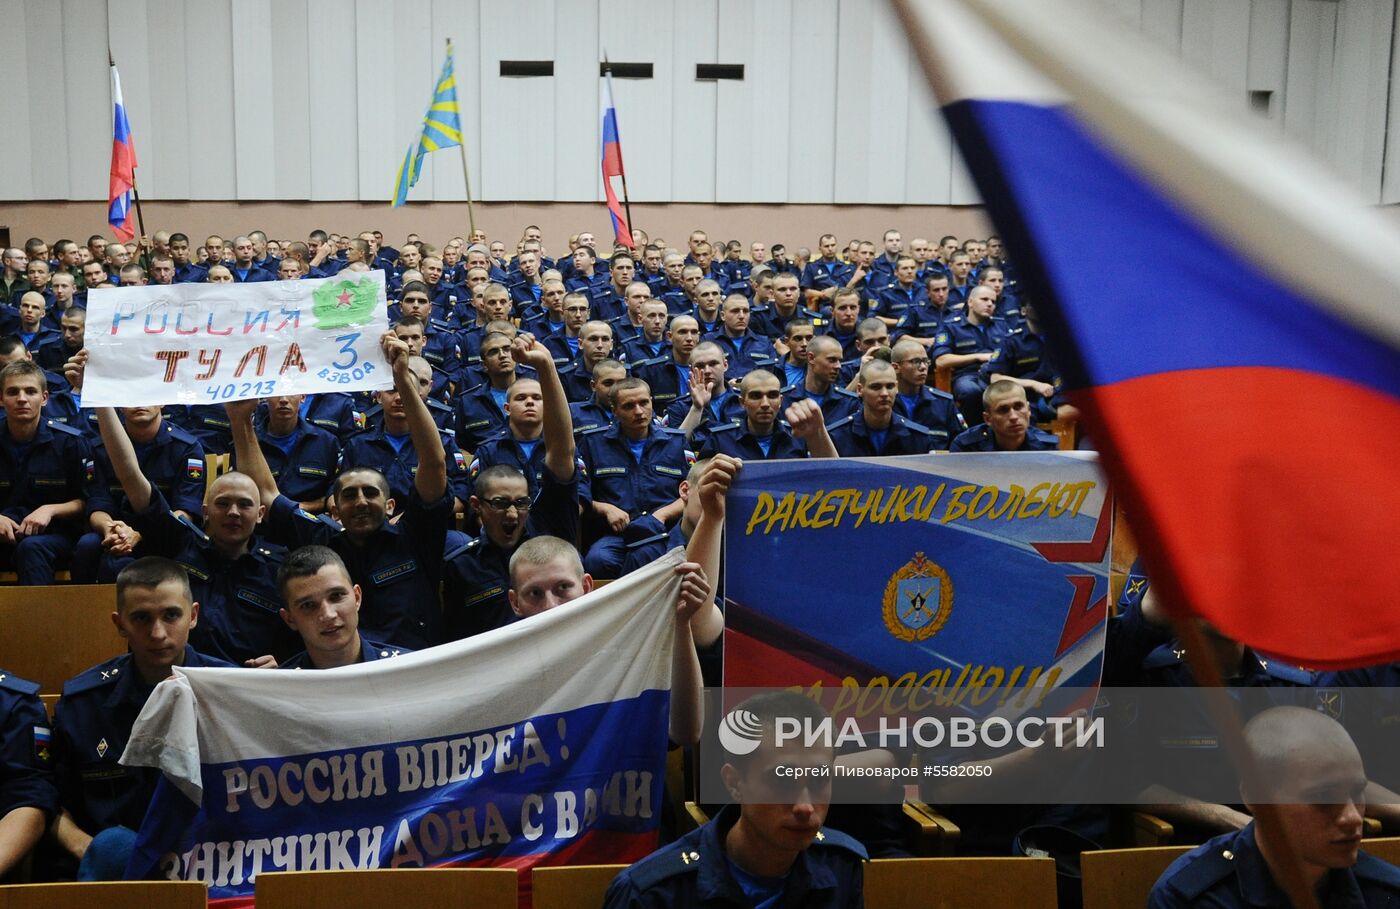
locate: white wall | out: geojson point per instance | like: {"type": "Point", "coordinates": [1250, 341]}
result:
{"type": "Point", "coordinates": [318, 99]}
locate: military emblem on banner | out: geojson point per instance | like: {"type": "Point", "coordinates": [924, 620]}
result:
{"type": "Point", "coordinates": [918, 599]}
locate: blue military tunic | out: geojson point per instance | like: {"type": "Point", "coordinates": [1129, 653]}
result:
{"type": "Point", "coordinates": [55, 466]}
{"type": "Point", "coordinates": [746, 353]}
{"type": "Point", "coordinates": [694, 871]}
{"type": "Point", "coordinates": [479, 417]}
{"type": "Point", "coordinates": [307, 467]}
{"type": "Point", "coordinates": [667, 379]}
{"type": "Point", "coordinates": [92, 723]}
{"type": "Point", "coordinates": [370, 651]}
{"type": "Point", "coordinates": [854, 439]}
{"type": "Point", "coordinates": [981, 438]}
{"type": "Point", "coordinates": [238, 600]}
{"type": "Point", "coordinates": [637, 487]}
{"type": "Point", "coordinates": [399, 568]}
{"type": "Point", "coordinates": [26, 748]}
{"type": "Point", "coordinates": [206, 422]}
{"type": "Point", "coordinates": [589, 417]}
{"type": "Point", "coordinates": [1229, 872]}
{"type": "Point", "coordinates": [172, 462]}
{"type": "Point", "coordinates": [935, 410]}
{"type": "Point", "coordinates": [836, 404]}
{"type": "Point", "coordinates": [400, 465]}
{"type": "Point", "coordinates": [334, 412]}
{"type": "Point", "coordinates": [736, 440]}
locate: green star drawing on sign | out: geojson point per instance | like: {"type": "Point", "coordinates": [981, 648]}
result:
{"type": "Point", "coordinates": [344, 303]}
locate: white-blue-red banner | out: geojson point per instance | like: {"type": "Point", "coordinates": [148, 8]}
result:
{"type": "Point", "coordinates": [214, 343]}
{"type": "Point", "coordinates": [971, 574]}
{"type": "Point", "coordinates": [543, 742]}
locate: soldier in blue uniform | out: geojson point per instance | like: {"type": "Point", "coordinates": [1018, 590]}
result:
{"type": "Point", "coordinates": [635, 468]}
{"type": "Point", "coordinates": [845, 315]}
{"type": "Point", "coordinates": [1311, 772]}
{"type": "Point", "coordinates": [392, 448]}
{"type": "Point", "coordinates": [1006, 423]}
{"type": "Point", "coordinates": [651, 341]}
{"type": "Point", "coordinates": [103, 801]}
{"type": "Point", "coordinates": [771, 318]}
{"type": "Point", "coordinates": [744, 350]}
{"type": "Point", "coordinates": [398, 566]}
{"type": "Point", "coordinates": [47, 473]}
{"type": "Point", "coordinates": [820, 381]}
{"type": "Point", "coordinates": [231, 571]}
{"type": "Point", "coordinates": [1023, 358]}
{"type": "Point", "coordinates": [964, 345]}
{"type": "Point", "coordinates": [244, 269]}
{"type": "Point", "coordinates": [322, 605]}
{"type": "Point", "coordinates": [28, 799]}
{"type": "Point", "coordinates": [826, 273]}
{"type": "Point", "coordinates": [1183, 767]}
{"type": "Point", "coordinates": [304, 458]}
{"type": "Point", "coordinates": [538, 421]}
{"type": "Point", "coordinates": [668, 375]}
{"type": "Point", "coordinates": [929, 407]}
{"type": "Point", "coordinates": [549, 321]}
{"type": "Point", "coordinates": [439, 345]}
{"type": "Point", "coordinates": [875, 429]}
{"type": "Point", "coordinates": [481, 411]}
{"type": "Point", "coordinates": [710, 400]}
{"type": "Point", "coordinates": [797, 338]}
{"type": "Point", "coordinates": [595, 414]}
{"type": "Point", "coordinates": [529, 487]}
{"type": "Point", "coordinates": [171, 459]}
{"type": "Point", "coordinates": [904, 294]}
{"type": "Point", "coordinates": [595, 344]}
{"type": "Point", "coordinates": [759, 434]}
{"type": "Point", "coordinates": [771, 849]}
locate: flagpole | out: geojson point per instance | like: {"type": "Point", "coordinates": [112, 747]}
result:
{"type": "Point", "coordinates": [462, 146]}
{"type": "Point", "coordinates": [622, 168]}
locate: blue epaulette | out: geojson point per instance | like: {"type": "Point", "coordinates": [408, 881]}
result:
{"type": "Point", "coordinates": [63, 427]}
{"type": "Point", "coordinates": [1202, 872]}
{"type": "Point", "coordinates": [465, 547]}
{"type": "Point", "coordinates": [672, 861]}
{"type": "Point", "coordinates": [841, 422]}
{"type": "Point", "coordinates": [1170, 654]}
{"type": "Point", "coordinates": [179, 433]}
{"type": "Point", "coordinates": [99, 676]}
{"type": "Point", "coordinates": [835, 839]}
{"type": "Point", "coordinates": [11, 682]}
{"type": "Point", "coordinates": [939, 393]}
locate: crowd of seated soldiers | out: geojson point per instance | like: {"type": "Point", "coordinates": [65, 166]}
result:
{"type": "Point", "coordinates": [583, 398]}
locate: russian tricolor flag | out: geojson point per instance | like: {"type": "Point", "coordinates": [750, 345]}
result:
{"type": "Point", "coordinates": [612, 164]}
{"type": "Point", "coordinates": [1224, 309]}
{"type": "Point", "coordinates": [123, 173]}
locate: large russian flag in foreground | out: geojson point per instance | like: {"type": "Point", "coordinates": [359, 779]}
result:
{"type": "Point", "coordinates": [122, 174]}
{"type": "Point", "coordinates": [1225, 311]}
{"type": "Point", "coordinates": [540, 743]}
